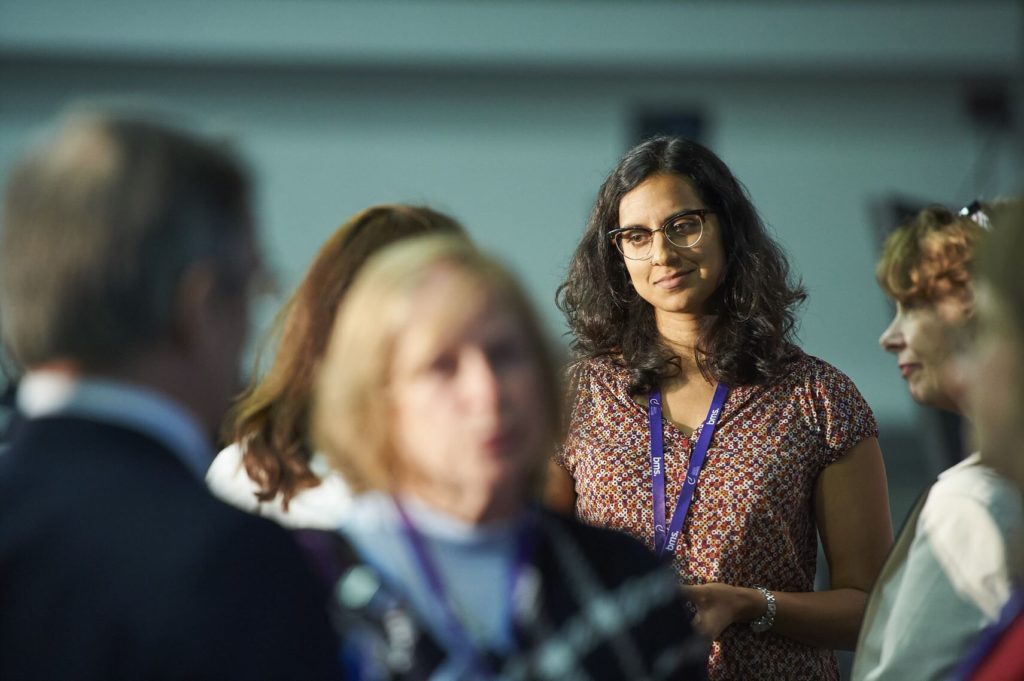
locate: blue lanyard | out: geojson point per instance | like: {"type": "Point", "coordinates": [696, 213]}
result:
{"type": "Point", "coordinates": [665, 541]}
{"type": "Point", "coordinates": [432, 575]}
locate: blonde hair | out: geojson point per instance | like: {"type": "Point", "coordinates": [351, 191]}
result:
{"type": "Point", "coordinates": [351, 406]}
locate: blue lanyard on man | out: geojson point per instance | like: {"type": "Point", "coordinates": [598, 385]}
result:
{"type": "Point", "coordinates": [665, 541]}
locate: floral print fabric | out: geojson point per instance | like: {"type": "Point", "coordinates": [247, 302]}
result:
{"type": "Point", "coordinates": [751, 522]}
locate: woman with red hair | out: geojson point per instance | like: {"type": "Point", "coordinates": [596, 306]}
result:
{"type": "Point", "coordinates": [271, 468]}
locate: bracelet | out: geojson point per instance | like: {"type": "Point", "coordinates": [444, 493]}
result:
{"type": "Point", "coordinates": [765, 621]}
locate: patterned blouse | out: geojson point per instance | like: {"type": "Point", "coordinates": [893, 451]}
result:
{"type": "Point", "coordinates": [751, 522]}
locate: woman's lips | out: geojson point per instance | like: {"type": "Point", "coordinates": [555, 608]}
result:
{"type": "Point", "coordinates": [908, 369]}
{"type": "Point", "coordinates": [501, 441]}
{"type": "Point", "coordinates": [674, 280]}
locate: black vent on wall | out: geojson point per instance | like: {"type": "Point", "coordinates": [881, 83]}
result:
{"type": "Point", "coordinates": [653, 122]}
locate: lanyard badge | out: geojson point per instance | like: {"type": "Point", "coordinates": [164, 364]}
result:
{"type": "Point", "coordinates": [666, 539]}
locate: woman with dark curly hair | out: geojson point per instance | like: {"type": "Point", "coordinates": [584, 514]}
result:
{"type": "Point", "coordinates": [697, 424]}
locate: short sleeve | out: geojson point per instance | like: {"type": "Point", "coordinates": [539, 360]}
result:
{"type": "Point", "coordinates": [572, 380]}
{"type": "Point", "coordinates": [973, 520]}
{"type": "Point", "coordinates": [838, 411]}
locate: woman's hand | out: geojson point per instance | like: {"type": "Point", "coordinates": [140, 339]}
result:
{"type": "Point", "coordinates": [852, 514]}
{"type": "Point", "coordinates": [719, 605]}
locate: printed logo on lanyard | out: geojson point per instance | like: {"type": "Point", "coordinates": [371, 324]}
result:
{"type": "Point", "coordinates": [666, 542]}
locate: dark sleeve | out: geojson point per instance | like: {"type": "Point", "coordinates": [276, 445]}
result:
{"type": "Point", "coordinates": [638, 593]}
{"type": "Point", "coordinates": [667, 634]}
{"type": "Point", "coordinates": [380, 636]}
{"type": "Point", "coordinates": [254, 610]}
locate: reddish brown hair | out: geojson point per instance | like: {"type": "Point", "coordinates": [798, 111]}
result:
{"type": "Point", "coordinates": [929, 257]}
{"type": "Point", "coordinates": [271, 418]}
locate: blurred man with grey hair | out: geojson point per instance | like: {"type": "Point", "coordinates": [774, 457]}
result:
{"type": "Point", "coordinates": [126, 258]}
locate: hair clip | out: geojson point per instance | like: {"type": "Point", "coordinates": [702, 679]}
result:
{"type": "Point", "coordinates": [975, 211]}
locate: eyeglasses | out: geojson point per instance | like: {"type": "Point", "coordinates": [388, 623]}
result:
{"type": "Point", "coordinates": [683, 230]}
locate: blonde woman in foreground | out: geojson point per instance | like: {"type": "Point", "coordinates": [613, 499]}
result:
{"type": "Point", "coordinates": [437, 400]}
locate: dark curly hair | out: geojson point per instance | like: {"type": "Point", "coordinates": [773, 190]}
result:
{"type": "Point", "coordinates": [749, 336]}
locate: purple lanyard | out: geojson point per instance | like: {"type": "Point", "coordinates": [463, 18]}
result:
{"type": "Point", "coordinates": [665, 542]}
{"type": "Point", "coordinates": [432, 575]}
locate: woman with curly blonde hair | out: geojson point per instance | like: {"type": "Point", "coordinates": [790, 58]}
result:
{"type": "Point", "coordinates": [926, 268]}
{"type": "Point", "coordinates": [949, 574]}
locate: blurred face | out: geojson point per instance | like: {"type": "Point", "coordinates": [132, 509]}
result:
{"type": "Point", "coordinates": [995, 372]}
{"type": "Point", "coordinates": [466, 398]}
{"type": "Point", "coordinates": [673, 279]}
{"type": "Point", "coordinates": [920, 336]}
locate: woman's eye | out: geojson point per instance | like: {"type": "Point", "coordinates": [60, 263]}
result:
{"type": "Point", "coordinates": [684, 227]}
{"type": "Point", "coordinates": [635, 237]}
{"type": "Point", "coordinates": [444, 365]}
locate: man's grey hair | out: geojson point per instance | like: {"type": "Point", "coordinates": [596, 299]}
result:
{"type": "Point", "coordinates": [100, 223]}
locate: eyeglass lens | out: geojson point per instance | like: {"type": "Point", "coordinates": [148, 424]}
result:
{"type": "Point", "coordinates": [683, 232]}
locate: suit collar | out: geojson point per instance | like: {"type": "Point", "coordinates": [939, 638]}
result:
{"type": "Point", "coordinates": [44, 394]}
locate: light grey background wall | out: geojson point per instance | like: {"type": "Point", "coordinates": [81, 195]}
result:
{"type": "Point", "coordinates": [509, 114]}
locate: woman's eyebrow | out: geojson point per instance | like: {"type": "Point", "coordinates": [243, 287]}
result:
{"type": "Point", "coordinates": [670, 218]}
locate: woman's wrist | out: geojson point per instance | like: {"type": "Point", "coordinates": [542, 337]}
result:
{"type": "Point", "coordinates": [767, 620]}
{"type": "Point", "coordinates": [755, 605]}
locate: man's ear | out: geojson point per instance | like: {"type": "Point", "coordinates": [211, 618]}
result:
{"type": "Point", "coordinates": [194, 306]}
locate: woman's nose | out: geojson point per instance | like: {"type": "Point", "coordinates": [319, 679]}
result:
{"type": "Point", "coordinates": [662, 250]}
{"type": "Point", "coordinates": [891, 339]}
{"type": "Point", "coordinates": [480, 381]}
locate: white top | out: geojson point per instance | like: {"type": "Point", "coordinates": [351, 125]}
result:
{"type": "Point", "coordinates": [952, 583]}
{"type": "Point", "coordinates": [129, 405]}
{"type": "Point", "coordinates": [322, 507]}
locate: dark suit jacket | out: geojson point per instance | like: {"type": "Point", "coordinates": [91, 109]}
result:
{"type": "Point", "coordinates": [117, 563]}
